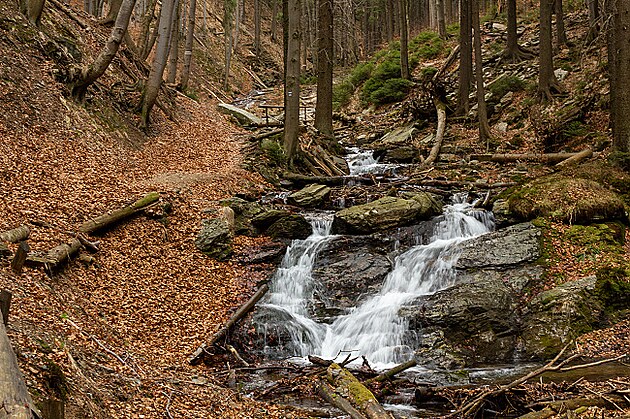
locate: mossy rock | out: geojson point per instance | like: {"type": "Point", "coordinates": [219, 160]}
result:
{"type": "Point", "coordinates": [265, 219]}
{"type": "Point", "coordinates": [310, 196]}
{"type": "Point", "coordinates": [215, 239]}
{"type": "Point", "coordinates": [566, 199]}
{"type": "Point", "coordinates": [244, 212]}
{"type": "Point", "coordinates": [291, 227]}
{"type": "Point", "coordinates": [613, 289]}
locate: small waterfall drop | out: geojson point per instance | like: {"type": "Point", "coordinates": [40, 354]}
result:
{"type": "Point", "coordinates": [361, 161]}
{"type": "Point", "coordinates": [374, 328]}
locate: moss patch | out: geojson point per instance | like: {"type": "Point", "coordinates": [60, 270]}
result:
{"type": "Point", "coordinates": [565, 199]}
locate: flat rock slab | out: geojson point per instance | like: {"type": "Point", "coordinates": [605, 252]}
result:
{"type": "Point", "coordinates": [504, 248]}
{"type": "Point", "coordinates": [242, 116]}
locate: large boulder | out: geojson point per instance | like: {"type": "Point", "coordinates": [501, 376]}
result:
{"type": "Point", "coordinates": [266, 218]}
{"type": "Point", "coordinates": [510, 246]}
{"type": "Point", "coordinates": [215, 238]}
{"type": "Point", "coordinates": [310, 196]}
{"type": "Point", "coordinates": [244, 212]}
{"type": "Point", "coordinates": [242, 116]}
{"type": "Point", "coordinates": [396, 146]}
{"type": "Point", "coordinates": [566, 199]}
{"type": "Point", "coordinates": [383, 214]}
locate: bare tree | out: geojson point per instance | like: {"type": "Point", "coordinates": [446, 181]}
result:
{"type": "Point", "coordinates": [514, 52]}
{"type": "Point", "coordinates": [188, 47]}
{"type": "Point", "coordinates": [228, 17]}
{"type": "Point", "coordinates": [404, 37]}
{"type": "Point", "coordinates": [173, 57]}
{"type": "Point", "coordinates": [484, 128]}
{"type": "Point", "coordinates": [441, 20]}
{"type": "Point", "coordinates": [257, 27]}
{"type": "Point", "coordinates": [112, 13]}
{"type": "Point", "coordinates": [465, 58]}
{"type": "Point", "coordinates": [323, 108]}
{"type": "Point", "coordinates": [561, 34]}
{"type": "Point", "coordinates": [292, 79]}
{"type": "Point", "coordinates": [88, 75]}
{"type": "Point", "coordinates": [154, 81]}
{"type": "Point", "coordinates": [547, 83]}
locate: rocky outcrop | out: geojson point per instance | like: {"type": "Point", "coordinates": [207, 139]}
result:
{"type": "Point", "coordinates": [396, 146]}
{"type": "Point", "coordinates": [215, 239]}
{"type": "Point", "coordinates": [385, 213]}
{"type": "Point", "coordinates": [242, 116]}
{"type": "Point", "coordinates": [309, 197]}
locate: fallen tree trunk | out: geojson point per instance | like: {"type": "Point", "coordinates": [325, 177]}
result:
{"type": "Point", "coordinates": [387, 375]}
{"type": "Point", "coordinates": [16, 235]}
{"type": "Point", "coordinates": [14, 398]}
{"type": "Point", "coordinates": [587, 153]}
{"type": "Point", "coordinates": [548, 158]}
{"type": "Point", "coordinates": [55, 256]}
{"type": "Point", "coordinates": [106, 220]}
{"type": "Point", "coordinates": [196, 357]}
{"type": "Point", "coordinates": [358, 395]}
{"type": "Point", "coordinates": [439, 135]}
{"type": "Point", "coordinates": [462, 184]}
{"type": "Point", "coordinates": [328, 394]}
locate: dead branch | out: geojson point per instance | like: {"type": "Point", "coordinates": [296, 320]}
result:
{"type": "Point", "coordinates": [106, 220]}
{"type": "Point", "coordinates": [195, 358]}
{"type": "Point", "coordinates": [439, 136]}
{"type": "Point", "coordinates": [328, 394]}
{"type": "Point", "coordinates": [15, 235]}
{"type": "Point", "coordinates": [547, 158]}
{"type": "Point", "coordinates": [387, 375]}
{"type": "Point", "coordinates": [577, 158]}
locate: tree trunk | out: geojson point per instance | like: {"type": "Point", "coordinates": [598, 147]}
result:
{"type": "Point", "coordinates": [171, 73]}
{"type": "Point", "coordinates": [32, 9]}
{"type": "Point", "coordinates": [105, 221]}
{"type": "Point", "coordinates": [561, 34]}
{"type": "Point", "coordinates": [274, 20]}
{"type": "Point", "coordinates": [145, 30]}
{"type": "Point", "coordinates": [441, 20]}
{"type": "Point", "coordinates": [484, 128]}
{"type": "Point", "coordinates": [390, 20]}
{"type": "Point", "coordinates": [513, 52]}
{"type": "Point", "coordinates": [90, 74]}
{"type": "Point", "coordinates": [404, 35]}
{"type": "Point", "coordinates": [292, 80]}
{"type": "Point", "coordinates": [228, 18]}
{"type": "Point", "coordinates": [112, 13]}
{"type": "Point", "coordinates": [323, 107]}
{"type": "Point", "coordinates": [439, 135]}
{"type": "Point", "coordinates": [146, 50]}
{"type": "Point", "coordinates": [152, 87]}
{"type": "Point", "coordinates": [188, 48]}
{"type": "Point", "coordinates": [593, 19]}
{"type": "Point", "coordinates": [465, 58]}
{"type": "Point", "coordinates": [547, 82]}
{"type": "Point", "coordinates": [257, 28]}
{"type": "Point", "coordinates": [620, 75]}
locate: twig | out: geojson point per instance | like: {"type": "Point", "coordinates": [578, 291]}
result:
{"type": "Point", "coordinates": [168, 404]}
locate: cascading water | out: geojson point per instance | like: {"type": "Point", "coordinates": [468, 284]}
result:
{"type": "Point", "coordinates": [373, 329]}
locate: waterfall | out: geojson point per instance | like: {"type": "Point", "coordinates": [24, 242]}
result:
{"type": "Point", "coordinates": [374, 328]}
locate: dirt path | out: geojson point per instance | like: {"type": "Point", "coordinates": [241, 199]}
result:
{"type": "Point", "coordinates": [113, 337]}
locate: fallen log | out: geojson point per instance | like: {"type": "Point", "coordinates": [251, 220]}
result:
{"type": "Point", "coordinates": [196, 357]}
{"type": "Point", "coordinates": [462, 184]}
{"type": "Point", "coordinates": [357, 394]}
{"type": "Point", "coordinates": [106, 220]}
{"type": "Point", "coordinates": [548, 158]}
{"type": "Point", "coordinates": [16, 235]}
{"type": "Point", "coordinates": [328, 394]}
{"type": "Point", "coordinates": [387, 375]}
{"type": "Point", "coordinates": [14, 397]}
{"type": "Point", "coordinates": [55, 256]}
{"type": "Point", "coordinates": [587, 153]}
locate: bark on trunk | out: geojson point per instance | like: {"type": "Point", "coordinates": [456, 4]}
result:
{"type": "Point", "coordinates": [561, 34]}
{"type": "Point", "coordinates": [328, 394]}
{"type": "Point", "coordinates": [107, 220]}
{"type": "Point", "coordinates": [547, 82]}
{"type": "Point", "coordinates": [173, 56]}
{"type": "Point", "coordinates": [577, 158]}
{"type": "Point", "coordinates": [404, 35]}
{"type": "Point", "coordinates": [32, 9]}
{"type": "Point", "coordinates": [292, 80]}
{"type": "Point", "coordinates": [323, 108]}
{"type": "Point", "coordinates": [482, 114]}
{"type": "Point", "coordinates": [513, 51]}
{"type": "Point", "coordinates": [90, 74]}
{"type": "Point", "coordinates": [620, 79]}
{"type": "Point", "coordinates": [439, 135]}
{"type": "Point", "coordinates": [465, 58]}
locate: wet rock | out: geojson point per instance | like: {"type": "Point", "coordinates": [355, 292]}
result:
{"type": "Point", "coordinates": [242, 116]}
{"type": "Point", "coordinates": [266, 218]}
{"type": "Point", "coordinates": [503, 248]}
{"type": "Point", "coordinates": [266, 253]}
{"type": "Point", "coordinates": [475, 319]}
{"type": "Point", "coordinates": [381, 214]}
{"type": "Point", "coordinates": [556, 316]}
{"type": "Point", "coordinates": [215, 239]}
{"type": "Point", "coordinates": [399, 137]}
{"type": "Point", "coordinates": [310, 196]}
{"type": "Point", "coordinates": [405, 154]}
{"type": "Point", "coordinates": [349, 268]}
{"type": "Point", "coordinates": [244, 212]}
{"type": "Point", "coordinates": [291, 227]}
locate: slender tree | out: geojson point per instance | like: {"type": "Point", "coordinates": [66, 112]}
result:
{"type": "Point", "coordinates": [404, 37]}
{"type": "Point", "coordinates": [619, 67]}
{"type": "Point", "coordinates": [561, 34]}
{"type": "Point", "coordinates": [465, 58]}
{"type": "Point", "coordinates": [441, 20]}
{"type": "Point", "coordinates": [547, 83]}
{"type": "Point", "coordinates": [513, 51]}
{"type": "Point", "coordinates": [593, 19]}
{"type": "Point", "coordinates": [114, 7]}
{"type": "Point", "coordinates": [323, 108]}
{"type": "Point", "coordinates": [173, 57]}
{"type": "Point", "coordinates": [292, 79]}
{"type": "Point", "coordinates": [484, 128]}
{"type": "Point", "coordinates": [145, 30]}
{"type": "Point", "coordinates": [228, 16]}
{"type": "Point", "coordinates": [91, 73]}
{"type": "Point", "coordinates": [154, 81]}
{"type": "Point", "coordinates": [188, 47]}
{"type": "Point", "coordinates": [257, 28]}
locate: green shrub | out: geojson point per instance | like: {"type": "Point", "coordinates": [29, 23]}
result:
{"type": "Point", "coordinates": [361, 73]}
{"type": "Point", "coordinates": [392, 90]}
{"type": "Point", "coordinates": [574, 129]}
{"type": "Point", "coordinates": [426, 46]}
{"type": "Point", "coordinates": [506, 84]}
{"type": "Point", "coordinates": [274, 151]}
{"type": "Point", "coordinates": [342, 93]}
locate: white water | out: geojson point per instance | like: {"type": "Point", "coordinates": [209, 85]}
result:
{"type": "Point", "coordinates": [373, 329]}
{"type": "Point", "coordinates": [362, 161]}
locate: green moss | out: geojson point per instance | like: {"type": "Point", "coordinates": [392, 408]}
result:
{"type": "Point", "coordinates": [613, 288]}
{"type": "Point", "coordinates": [505, 84]}
{"type": "Point", "coordinates": [274, 152]}
{"type": "Point", "coordinates": [56, 381]}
